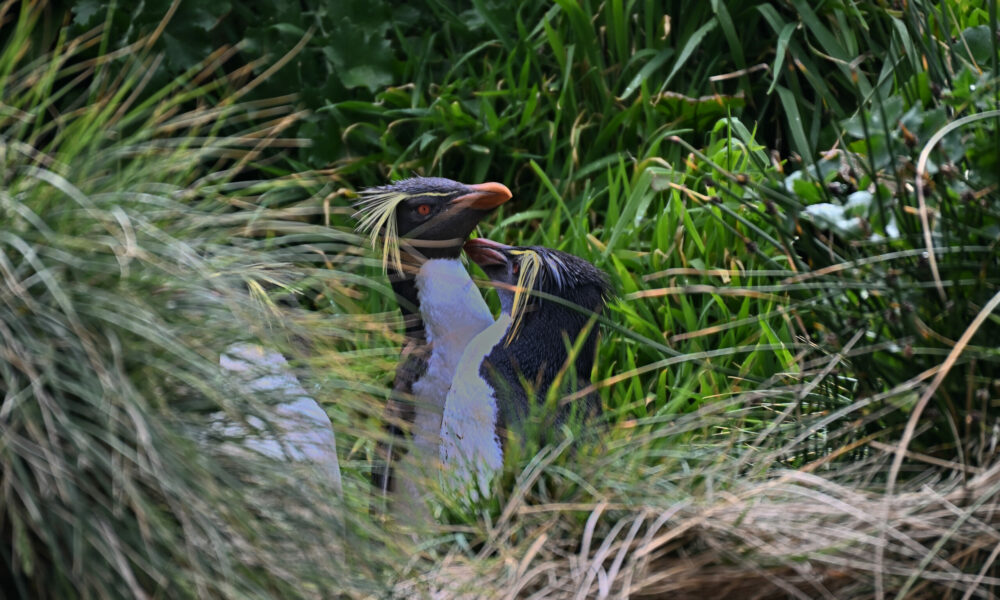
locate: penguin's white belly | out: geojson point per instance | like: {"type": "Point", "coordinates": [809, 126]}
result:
{"type": "Point", "coordinates": [453, 312]}
{"type": "Point", "coordinates": [471, 453]}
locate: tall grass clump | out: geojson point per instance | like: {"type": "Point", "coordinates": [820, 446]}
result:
{"type": "Point", "coordinates": [796, 202]}
{"type": "Point", "coordinates": [132, 253]}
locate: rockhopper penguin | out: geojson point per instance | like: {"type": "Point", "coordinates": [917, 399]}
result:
{"type": "Point", "coordinates": [512, 364]}
{"type": "Point", "coordinates": [422, 224]}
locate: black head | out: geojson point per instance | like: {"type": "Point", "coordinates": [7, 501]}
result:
{"type": "Point", "coordinates": [521, 271]}
{"type": "Point", "coordinates": [426, 217]}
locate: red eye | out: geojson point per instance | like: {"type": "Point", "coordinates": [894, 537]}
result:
{"type": "Point", "coordinates": [517, 267]}
{"type": "Point", "coordinates": [424, 209]}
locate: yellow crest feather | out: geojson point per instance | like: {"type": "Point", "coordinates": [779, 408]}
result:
{"type": "Point", "coordinates": [530, 267]}
{"type": "Point", "coordinates": [376, 217]}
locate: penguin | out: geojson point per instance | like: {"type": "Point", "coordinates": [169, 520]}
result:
{"type": "Point", "coordinates": [547, 300]}
{"type": "Point", "coordinates": [298, 430]}
{"type": "Point", "coordinates": [422, 224]}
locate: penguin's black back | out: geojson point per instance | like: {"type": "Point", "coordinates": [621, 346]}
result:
{"type": "Point", "coordinates": [523, 371]}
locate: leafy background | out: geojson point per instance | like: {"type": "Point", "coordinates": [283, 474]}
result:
{"type": "Point", "coordinates": [747, 172]}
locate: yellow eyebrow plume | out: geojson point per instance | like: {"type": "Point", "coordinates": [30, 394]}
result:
{"type": "Point", "coordinates": [531, 264]}
{"type": "Point", "coordinates": [376, 216]}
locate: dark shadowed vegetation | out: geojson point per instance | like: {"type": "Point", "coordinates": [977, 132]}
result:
{"type": "Point", "coordinates": [797, 203]}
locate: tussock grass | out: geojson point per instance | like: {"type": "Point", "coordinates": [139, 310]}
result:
{"type": "Point", "coordinates": [798, 207]}
{"type": "Point", "coordinates": [722, 517]}
{"type": "Point", "coordinates": [797, 535]}
{"type": "Point", "coordinates": [127, 267]}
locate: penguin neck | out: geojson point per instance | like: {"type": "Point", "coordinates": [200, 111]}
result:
{"type": "Point", "coordinates": [451, 307]}
{"type": "Point", "coordinates": [568, 322]}
{"type": "Point", "coordinates": [406, 287]}
{"type": "Point", "coordinates": [442, 308]}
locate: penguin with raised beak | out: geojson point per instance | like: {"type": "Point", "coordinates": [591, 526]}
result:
{"type": "Point", "coordinates": [545, 337]}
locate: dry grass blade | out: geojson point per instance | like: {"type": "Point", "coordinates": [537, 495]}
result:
{"type": "Point", "coordinates": [918, 410]}
{"type": "Point", "coordinates": [798, 391]}
{"type": "Point", "coordinates": [925, 155]}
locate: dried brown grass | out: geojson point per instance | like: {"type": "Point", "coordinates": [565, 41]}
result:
{"type": "Point", "coordinates": [794, 535]}
{"type": "Point", "coordinates": [703, 522]}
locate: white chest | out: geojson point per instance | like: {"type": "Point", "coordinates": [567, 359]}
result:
{"type": "Point", "coordinates": [471, 453]}
{"type": "Point", "coordinates": [453, 312]}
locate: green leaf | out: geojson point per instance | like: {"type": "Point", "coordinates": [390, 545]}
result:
{"type": "Point", "coordinates": [84, 11]}
{"type": "Point", "coordinates": [647, 69]}
{"type": "Point", "coordinates": [689, 47]}
{"type": "Point", "coordinates": [692, 232]}
{"type": "Point", "coordinates": [779, 54]}
{"type": "Point", "coordinates": [975, 44]}
{"type": "Point", "coordinates": [809, 191]}
{"type": "Point", "coordinates": [791, 106]}
{"type": "Point", "coordinates": [367, 76]}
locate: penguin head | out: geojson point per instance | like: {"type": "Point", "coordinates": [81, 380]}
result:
{"type": "Point", "coordinates": [525, 275]}
{"type": "Point", "coordinates": [427, 217]}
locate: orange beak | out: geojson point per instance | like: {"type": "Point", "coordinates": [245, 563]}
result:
{"type": "Point", "coordinates": [485, 196]}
